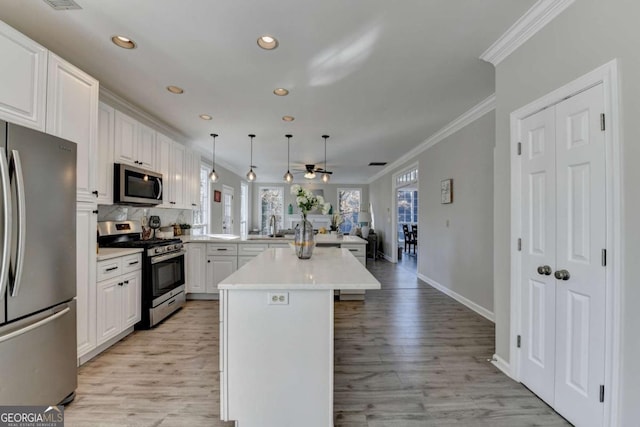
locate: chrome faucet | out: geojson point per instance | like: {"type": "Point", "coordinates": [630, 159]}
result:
{"type": "Point", "coordinates": [273, 225]}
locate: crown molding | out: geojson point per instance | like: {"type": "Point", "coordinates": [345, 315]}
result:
{"type": "Point", "coordinates": [125, 106]}
{"type": "Point", "coordinates": [540, 14]}
{"type": "Point", "coordinates": [470, 116]}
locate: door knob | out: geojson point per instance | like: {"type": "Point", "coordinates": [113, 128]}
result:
{"type": "Point", "coordinates": [544, 269]}
{"type": "Point", "coordinates": [562, 275]}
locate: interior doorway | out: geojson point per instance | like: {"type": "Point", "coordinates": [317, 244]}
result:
{"type": "Point", "coordinates": [406, 208]}
{"type": "Point", "coordinates": [227, 209]}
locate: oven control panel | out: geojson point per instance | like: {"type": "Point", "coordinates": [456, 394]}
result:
{"type": "Point", "coordinates": [164, 249]}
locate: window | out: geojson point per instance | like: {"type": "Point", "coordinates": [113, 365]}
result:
{"type": "Point", "coordinates": [349, 200]}
{"type": "Point", "coordinates": [271, 202]}
{"type": "Point", "coordinates": [201, 217]}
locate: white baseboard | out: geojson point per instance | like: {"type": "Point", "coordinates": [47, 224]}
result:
{"type": "Point", "coordinates": [388, 258]}
{"type": "Point", "coordinates": [503, 365]}
{"type": "Point", "coordinates": [462, 300]}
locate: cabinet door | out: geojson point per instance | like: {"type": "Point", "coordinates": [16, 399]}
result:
{"type": "Point", "coordinates": [106, 143]}
{"type": "Point", "coordinates": [146, 149]}
{"type": "Point", "coordinates": [23, 79]}
{"type": "Point", "coordinates": [218, 269]}
{"type": "Point", "coordinates": [109, 309]}
{"type": "Point", "coordinates": [131, 299]}
{"type": "Point", "coordinates": [164, 148]}
{"type": "Point", "coordinates": [196, 269]}
{"type": "Point", "coordinates": [86, 222]}
{"type": "Point", "coordinates": [194, 180]}
{"type": "Point", "coordinates": [179, 179]}
{"type": "Point", "coordinates": [72, 113]}
{"type": "Point", "coordinates": [126, 139]}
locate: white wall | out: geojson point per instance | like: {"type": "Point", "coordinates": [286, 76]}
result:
{"type": "Point", "coordinates": [458, 257]}
{"type": "Point", "coordinates": [230, 179]}
{"type": "Point", "coordinates": [586, 35]}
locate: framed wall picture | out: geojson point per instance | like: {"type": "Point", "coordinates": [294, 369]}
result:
{"type": "Point", "coordinates": [446, 191]}
{"type": "Point", "coordinates": [217, 196]}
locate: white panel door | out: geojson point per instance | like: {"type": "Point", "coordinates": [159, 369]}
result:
{"type": "Point", "coordinates": [195, 268]}
{"type": "Point", "coordinates": [581, 220]}
{"type": "Point", "coordinates": [563, 226]}
{"type": "Point", "coordinates": [539, 252]}
{"type": "Point", "coordinates": [218, 269]}
{"type": "Point", "coordinates": [109, 309]}
{"type": "Point", "coordinates": [146, 148]}
{"type": "Point", "coordinates": [86, 222]}
{"type": "Point", "coordinates": [126, 139]}
{"type": "Point", "coordinates": [164, 146]}
{"type": "Point", "coordinates": [179, 177]}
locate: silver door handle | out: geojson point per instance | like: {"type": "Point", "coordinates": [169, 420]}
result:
{"type": "Point", "coordinates": [6, 225]}
{"type": "Point", "coordinates": [544, 269]}
{"type": "Point", "coordinates": [159, 181]}
{"type": "Point", "coordinates": [562, 275]}
{"type": "Point", "coordinates": [22, 226]}
{"type": "Point", "coordinates": [34, 325]}
{"type": "Point", "coordinates": [161, 258]}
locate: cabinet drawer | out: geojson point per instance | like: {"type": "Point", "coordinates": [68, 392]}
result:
{"type": "Point", "coordinates": [251, 249]}
{"type": "Point", "coordinates": [109, 268]}
{"type": "Point", "coordinates": [222, 249]}
{"type": "Point", "coordinates": [356, 250]}
{"type": "Point", "coordinates": [131, 263]}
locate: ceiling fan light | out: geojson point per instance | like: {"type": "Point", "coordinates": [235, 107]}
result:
{"type": "Point", "coordinates": [326, 177]}
{"type": "Point", "coordinates": [309, 174]}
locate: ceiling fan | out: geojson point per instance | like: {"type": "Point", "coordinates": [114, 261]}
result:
{"type": "Point", "coordinates": [311, 170]}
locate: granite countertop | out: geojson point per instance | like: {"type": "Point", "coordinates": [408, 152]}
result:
{"type": "Point", "coordinates": [108, 253]}
{"type": "Point", "coordinates": [280, 269]}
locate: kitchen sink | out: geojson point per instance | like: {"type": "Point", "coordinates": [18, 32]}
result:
{"type": "Point", "coordinates": [269, 237]}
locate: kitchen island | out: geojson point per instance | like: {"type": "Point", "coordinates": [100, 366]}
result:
{"type": "Point", "coordinates": [276, 336]}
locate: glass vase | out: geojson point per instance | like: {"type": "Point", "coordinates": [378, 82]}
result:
{"type": "Point", "coordinates": [304, 240]}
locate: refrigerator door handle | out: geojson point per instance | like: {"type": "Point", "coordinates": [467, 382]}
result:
{"type": "Point", "coordinates": [6, 225]}
{"type": "Point", "coordinates": [35, 325]}
{"type": "Point", "coordinates": [22, 229]}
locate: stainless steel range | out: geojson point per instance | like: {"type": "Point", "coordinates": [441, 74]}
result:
{"type": "Point", "coordinates": [163, 290]}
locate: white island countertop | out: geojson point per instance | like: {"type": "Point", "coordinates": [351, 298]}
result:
{"type": "Point", "coordinates": [280, 269]}
{"type": "Point", "coordinates": [257, 239]}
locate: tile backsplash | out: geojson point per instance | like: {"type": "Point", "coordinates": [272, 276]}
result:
{"type": "Point", "coordinates": [123, 213]}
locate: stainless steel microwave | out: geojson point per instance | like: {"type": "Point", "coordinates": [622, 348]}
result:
{"type": "Point", "coordinates": [136, 186]}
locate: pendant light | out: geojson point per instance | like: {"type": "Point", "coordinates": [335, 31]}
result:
{"type": "Point", "coordinates": [251, 175]}
{"type": "Point", "coordinates": [213, 176]}
{"type": "Point", "coordinates": [325, 175]}
{"type": "Point", "coordinates": [288, 176]}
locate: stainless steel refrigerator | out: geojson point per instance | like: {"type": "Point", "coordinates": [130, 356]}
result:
{"type": "Point", "coordinates": [37, 267]}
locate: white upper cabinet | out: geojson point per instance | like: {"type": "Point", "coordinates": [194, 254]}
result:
{"type": "Point", "coordinates": [23, 79]}
{"type": "Point", "coordinates": [72, 113]}
{"type": "Point", "coordinates": [164, 146]}
{"type": "Point", "coordinates": [106, 142]}
{"type": "Point", "coordinates": [135, 143]}
{"type": "Point", "coordinates": [146, 149]}
{"type": "Point", "coordinates": [179, 178]}
{"type": "Point", "coordinates": [192, 176]}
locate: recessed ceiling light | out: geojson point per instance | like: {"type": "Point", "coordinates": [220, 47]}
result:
{"type": "Point", "coordinates": [175, 89]}
{"type": "Point", "coordinates": [288, 118]}
{"type": "Point", "coordinates": [123, 42]}
{"type": "Point", "coordinates": [267, 42]}
{"type": "Point", "coordinates": [281, 91]}
{"type": "Point", "coordinates": [205, 117]}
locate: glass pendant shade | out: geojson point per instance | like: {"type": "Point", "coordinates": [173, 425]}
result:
{"type": "Point", "coordinates": [325, 176]}
{"type": "Point", "coordinates": [213, 176]}
{"type": "Point", "coordinates": [251, 175]}
{"type": "Point", "coordinates": [288, 177]}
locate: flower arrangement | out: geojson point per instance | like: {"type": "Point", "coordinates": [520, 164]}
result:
{"type": "Point", "coordinates": [336, 220]}
{"type": "Point", "coordinates": [307, 201]}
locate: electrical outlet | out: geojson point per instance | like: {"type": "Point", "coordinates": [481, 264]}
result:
{"type": "Point", "coordinates": [278, 298]}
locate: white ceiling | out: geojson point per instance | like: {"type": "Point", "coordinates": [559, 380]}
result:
{"type": "Point", "coordinates": [378, 76]}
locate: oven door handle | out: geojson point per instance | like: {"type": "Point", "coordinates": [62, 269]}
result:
{"type": "Point", "coordinates": [160, 258]}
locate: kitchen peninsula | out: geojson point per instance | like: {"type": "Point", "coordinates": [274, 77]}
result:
{"type": "Point", "coordinates": [276, 336]}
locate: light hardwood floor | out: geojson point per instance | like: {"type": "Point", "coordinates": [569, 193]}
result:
{"type": "Point", "coordinates": [409, 356]}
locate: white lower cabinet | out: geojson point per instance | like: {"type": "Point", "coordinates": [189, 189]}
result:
{"type": "Point", "coordinates": [118, 297]}
{"type": "Point", "coordinates": [195, 270]}
{"type": "Point", "coordinates": [219, 267]}
{"type": "Point", "coordinates": [86, 218]}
